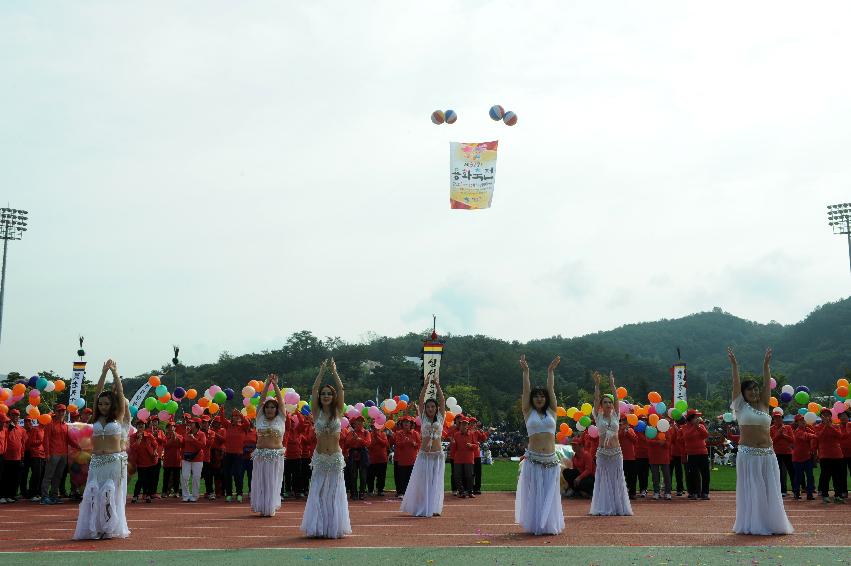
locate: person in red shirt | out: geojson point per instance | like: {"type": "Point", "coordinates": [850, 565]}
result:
{"type": "Point", "coordinates": [802, 458]}
{"type": "Point", "coordinates": [628, 439]}
{"type": "Point", "coordinates": [293, 457]}
{"type": "Point", "coordinates": [217, 452]}
{"type": "Point", "coordinates": [194, 447]}
{"type": "Point", "coordinates": [233, 473]}
{"type": "Point", "coordinates": [580, 479]}
{"type": "Point", "coordinates": [642, 460]}
{"type": "Point", "coordinates": [172, 458]}
{"type": "Point", "coordinates": [144, 447]}
{"type": "Point", "coordinates": [481, 436]}
{"type": "Point", "coordinates": [676, 442]}
{"type": "Point", "coordinates": [159, 436]}
{"type": "Point", "coordinates": [659, 456]}
{"type": "Point", "coordinates": [207, 471]}
{"type": "Point", "coordinates": [831, 462]}
{"type": "Point", "coordinates": [697, 455]}
{"type": "Point", "coordinates": [4, 421]}
{"type": "Point", "coordinates": [465, 441]}
{"type": "Point", "coordinates": [16, 442]}
{"type": "Point", "coordinates": [448, 434]}
{"type": "Point", "coordinates": [846, 451]}
{"type": "Point", "coordinates": [248, 446]}
{"type": "Point", "coordinates": [357, 456]}
{"type": "Point", "coordinates": [781, 440]}
{"type": "Point", "coordinates": [308, 445]}
{"type": "Point", "coordinates": [35, 463]}
{"type": "Point", "coordinates": [406, 444]}
{"type": "Point", "coordinates": [376, 473]}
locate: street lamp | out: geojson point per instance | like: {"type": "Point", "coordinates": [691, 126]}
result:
{"type": "Point", "coordinates": [13, 224]}
{"type": "Point", "coordinates": [839, 218]}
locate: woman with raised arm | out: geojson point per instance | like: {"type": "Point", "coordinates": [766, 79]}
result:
{"type": "Point", "coordinates": [759, 505]}
{"type": "Point", "coordinates": [326, 514]}
{"type": "Point", "coordinates": [537, 507]}
{"type": "Point", "coordinates": [424, 493]}
{"type": "Point", "coordinates": [102, 508]}
{"type": "Point", "coordinates": [610, 493]}
{"type": "Point", "coordinates": [268, 457]}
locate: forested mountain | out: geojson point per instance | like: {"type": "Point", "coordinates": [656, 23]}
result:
{"type": "Point", "coordinates": [482, 371]}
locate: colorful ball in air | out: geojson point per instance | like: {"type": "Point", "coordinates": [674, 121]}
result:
{"type": "Point", "coordinates": [496, 112]}
{"type": "Point", "coordinates": [510, 118]}
{"type": "Point", "coordinates": [438, 117]}
{"type": "Point", "coordinates": [450, 116]}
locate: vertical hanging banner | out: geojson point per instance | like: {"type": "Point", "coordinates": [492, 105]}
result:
{"type": "Point", "coordinates": [679, 382]}
{"type": "Point", "coordinates": [137, 399]}
{"type": "Point", "coordinates": [74, 392]}
{"type": "Point", "coordinates": [432, 352]}
{"type": "Point", "coordinates": [472, 170]}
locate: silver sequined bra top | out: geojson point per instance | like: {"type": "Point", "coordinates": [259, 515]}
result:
{"type": "Point", "coordinates": [270, 428]}
{"type": "Point", "coordinates": [431, 430]}
{"type": "Point", "coordinates": [325, 425]}
{"type": "Point", "coordinates": [111, 428]}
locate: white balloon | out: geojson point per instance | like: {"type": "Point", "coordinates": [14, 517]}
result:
{"type": "Point", "coordinates": [663, 425]}
{"type": "Point", "coordinates": [810, 418]}
{"type": "Point", "coordinates": [451, 402]}
{"type": "Point", "coordinates": [390, 404]}
{"type": "Point", "coordinates": [50, 386]}
{"type": "Point", "coordinates": [457, 410]}
{"type": "Point", "coordinates": [788, 389]}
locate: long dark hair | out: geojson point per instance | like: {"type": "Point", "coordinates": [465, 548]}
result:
{"type": "Point", "coordinates": [333, 401]}
{"type": "Point", "coordinates": [747, 384]}
{"type": "Point", "coordinates": [540, 391]}
{"type": "Point", "coordinates": [436, 409]}
{"type": "Point", "coordinates": [113, 408]}
{"type": "Point", "coordinates": [277, 409]}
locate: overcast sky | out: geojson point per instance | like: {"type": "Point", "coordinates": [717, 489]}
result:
{"type": "Point", "coordinates": [221, 174]}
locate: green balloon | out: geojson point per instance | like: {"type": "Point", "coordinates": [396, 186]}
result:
{"type": "Point", "coordinates": [220, 397]}
{"type": "Point", "coordinates": [365, 412]}
{"type": "Point", "coordinates": [160, 406]}
{"type": "Point", "coordinates": [585, 421]}
{"type": "Point", "coordinates": [150, 403]}
{"type": "Point", "coordinates": [255, 401]}
{"type": "Point", "coordinates": [171, 407]}
{"type": "Point", "coordinates": [802, 397]}
{"type": "Point", "coordinates": [681, 405]}
{"type": "Point", "coordinates": [676, 414]}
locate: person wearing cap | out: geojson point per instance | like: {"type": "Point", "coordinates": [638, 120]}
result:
{"type": "Point", "coordinates": [759, 503]}
{"type": "Point", "coordinates": [424, 494]}
{"type": "Point", "coordinates": [102, 509]}
{"type": "Point", "coordinates": [16, 441]}
{"type": "Point", "coordinates": [356, 450]}
{"type": "Point", "coordinates": [659, 455]}
{"type": "Point", "coordinates": [56, 444]}
{"type": "Point", "coordinates": [376, 473]}
{"type": "Point", "coordinates": [144, 446]}
{"type": "Point", "coordinates": [580, 478]}
{"type": "Point", "coordinates": [233, 473]}
{"type": "Point", "coordinates": [628, 439]}
{"type": "Point", "coordinates": [34, 462]}
{"type": "Point", "coordinates": [642, 461]}
{"type": "Point", "coordinates": [171, 460]}
{"type": "Point", "coordinates": [696, 455]}
{"type": "Point", "coordinates": [159, 435]}
{"type": "Point", "coordinates": [326, 514]}
{"type": "Point", "coordinates": [831, 463]}
{"type": "Point", "coordinates": [4, 420]}
{"type": "Point", "coordinates": [782, 440]}
{"type": "Point", "coordinates": [465, 442]}
{"type": "Point", "coordinates": [217, 451]}
{"type": "Point", "coordinates": [845, 443]}
{"type": "Point", "coordinates": [248, 447]}
{"type": "Point", "coordinates": [802, 459]}
{"type": "Point", "coordinates": [308, 445]}
{"type": "Point", "coordinates": [676, 455]}
{"type": "Point", "coordinates": [406, 444]}
{"type": "Point", "coordinates": [481, 436]}
{"type": "Point", "coordinates": [268, 457]}
{"type": "Point", "coordinates": [192, 462]}
{"type": "Point", "coordinates": [292, 457]}
{"type": "Point", "coordinates": [207, 472]}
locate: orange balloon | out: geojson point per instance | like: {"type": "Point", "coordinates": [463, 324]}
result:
{"type": "Point", "coordinates": [165, 398]}
{"type": "Point", "coordinates": [34, 413]}
{"type": "Point", "coordinates": [621, 392]}
{"type": "Point", "coordinates": [632, 420]}
{"type": "Point", "coordinates": [72, 408]}
{"type": "Point", "coordinates": [660, 435]}
{"type": "Point", "coordinates": [154, 381]}
{"type": "Point", "coordinates": [842, 390]}
{"type": "Point", "coordinates": [213, 408]}
{"type": "Point", "coordinates": [560, 412]}
{"type": "Point", "coordinates": [59, 385]}
{"type": "Point", "coordinates": [204, 402]}
{"type": "Point", "coordinates": [44, 419]}
{"type": "Point", "coordinates": [563, 427]}
{"type": "Point", "coordinates": [561, 436]}
{"type": "Point", "coordinates": [569, 431]}
{"type": "Point", "coordinates": [3, 409]}
{"type": "Point", "coordinates": [191, 394]}
{"type": "Point", "coordinates": [391, 424]}
{"type": "Point", "coordinates": [653, 419]}
{"type": "Point", "coordinates": [841, 382]}
{"type": "Point", "coordinates": [18, 389]}
{"type": "Point", "coordinates": [654, 397]}
{"type": "Point", "coordinates": [578, 415]}
{"type": "Point", "coordinates": [401, 405]}
{"type": "Point", "coordinates": [813, 408]}
{"type": "Point", "coordinates": [772, 402]}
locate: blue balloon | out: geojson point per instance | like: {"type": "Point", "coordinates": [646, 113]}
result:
{"type": "Point", "coordinates": [133, 411]}
{"type": "Point", "coordinates": [803, 411]}
{"type": "Point", "coordinates": [370, 403]}
{"type": "Point", "coordinates": [641, 426]}
{"type": "Point", "coordinates": [785, 397]}
{"type": "Point", "coordinates": [660, 408]}
{"type": "Point", "coordinates": [80, 403]}
{"type": "Point", "coordinates": [161, 390]}
{"type": "Point", "coordinates": [803, 388]}
{"type": "Point", "coordinates": [305, 410]}
{"type": "Point", "coordinates": [41, 383]}
{"type": "Point", "coordinates": [179, 392]}
{"type": "Point", "coordinates": [229, 394]}
{"type": "Point", "coordinates": [404, 397]}
{"type": "Point", "coordinates": [32, 381]}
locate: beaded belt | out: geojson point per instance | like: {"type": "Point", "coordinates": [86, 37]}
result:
{"type": "Point", "coordinates": [328, 462]}
{"type": "Point", "coordinates": [754, 451]}
{"type": "Point", "coordinates": [609, 451]}
{"type": "Point", "coordinates": [267, 454]}
{"type": "Point", "coordinates": [100, 460]}
{"type": "Point", "coordinates": [547, 460]}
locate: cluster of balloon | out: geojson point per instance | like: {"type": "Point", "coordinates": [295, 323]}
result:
{"type": "Point", "coordinates": [498, 113]}
{"type": "Point", "coordinates": [440, 117]}
{"type": "Point", "coordinates": [78, 463]}
{"type": "Point", "coordinates": [164, 404]}
{"type": "Point", "coordinates": [37, 385]}
{"type": "Point", "coordinates": [810, 410]}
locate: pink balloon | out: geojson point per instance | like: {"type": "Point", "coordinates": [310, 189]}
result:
{"type": "Point", "coordinates": [35, 393]}
{"type": "Point", "coordinates": [359, 407]}
{"type": "Point", "coordinates": [623, 408]}
{"type": "Point", "coordinates": [593, 432]}
{"type": "Point", "coordinates": [197, 410]}
{"type": "Point", "coordinates": [344, 422]}
{"type": "Point", "coordinates": [246, 402]}
{"type": "Point", "coordinates": [380, 419]}
{"type": "Point", "coordinates": [419, 421]}
{"type": "Point", "coordinates": [164, 415]}
{"type": "Point", "coordinates": [651, 410]}
{"type": "Point", "coordinates": [838, 407]}
{"type": "Point", "coordinates": [143, 414]}
{"type": "Point", "coordinates": [773, 383]}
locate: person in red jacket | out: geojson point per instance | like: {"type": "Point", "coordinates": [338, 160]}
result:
{"type": "Point", "coordinates": [159, 435]}
{"type": "Point", "coordinates": [172, 458]}
{"type": "Point", "coordinates": [580, 479]}
{"type": "Point", "coordinates": [248, 446]}
{"type": "Point", "coordinates": [293, 457]}
{"type": "Point", "coordinates": [831, 462]}
{"type": "Point", "coordinates": [233, 473]}
{"type": "Point", "coordinates": [465, 441]}
{"type": "Point", "coordinates": [16, 442]}
{"type": "Point", "coordinates": [628, 439]}
{"type": "Point", "coordinates": [217, 452]}
{"type": "Point", "coordinates": [357, 455]}
{"type": "Point", "coordinates": [659, 455]}
{"type": "Point", "coordinates": [782, 440]}
{"type": "Point", "coordinates": [846, 450]}
{"type": "Point", "coordinates": [676, 442]}
{"type": "Point", "coordinates": [376, 473]}
{"type": "Point", "coordinates": [194, 447]}
{"type": "Point", "coordinates": [642, 461]}
{"type": "Point", "coordinates": [144, 447]}
{"type": "Point", "coordinates": [802, 458]}
{"type": "Point", "coordinates": [207, 472]}
{"type": "Point", "coordinates": [35, 463]}
{"type": "Point", "coordinates": [448, 434]}
{"type": "Point", "coordinates": [481, 436]}
{"type": "Point", "coordinates": [406, 444]}
{"type": "Point", "coordinates": [308, 445]}
{"type": "Point", "coordinates": [697, 456]}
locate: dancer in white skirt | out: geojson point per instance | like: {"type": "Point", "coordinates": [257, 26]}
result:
{"type": "Point", "coordinates": [610, 493]}
{"type": "Point", "coordinates": [759, 504]}
{"type": "Point", "coordinates": [326, 514]}
{"type": "Point", "coordinates": [424, 494]}
{"type": "Point", "coordinates": [101, 514]}
{"type": "Point", "coordinates": [537, 507]}
{"type": "Point", "coordinates": [268, 456]}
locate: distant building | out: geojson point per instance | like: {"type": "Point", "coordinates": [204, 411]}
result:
{"type": "Point", "coordinates": [415, 360]}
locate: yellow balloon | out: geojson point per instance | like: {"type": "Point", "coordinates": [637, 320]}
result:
{"type": "Point", "coordinates": [586, 408]}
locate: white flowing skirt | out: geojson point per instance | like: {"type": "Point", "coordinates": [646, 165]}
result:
{"type": "Point", "coordinates": [266, 480]}
{"type": "Point", "coordinates": [424, 496]}
{"type": "Point", "coordinates": [537, 506]}
{"type": "Point", "coordinates": [326, 514]}
{"type": "Point", "coordinates": [759, 505]}
{"type": "Point", "coordinates": [101, 512]}
{"type": "Point", "coordinates": [610, 493]}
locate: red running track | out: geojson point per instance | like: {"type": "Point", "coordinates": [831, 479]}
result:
{"type": "Point", "coordinates": [486, 520]}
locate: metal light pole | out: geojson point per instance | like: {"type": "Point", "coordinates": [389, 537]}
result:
{"type": "Point", "coordinates": [13, 224]}
{"type": "Point", "coordinates": [839, 218]}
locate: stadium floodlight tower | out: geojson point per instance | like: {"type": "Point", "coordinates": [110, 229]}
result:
{"type": "Point", "coordinates": [839, 218]}
{"type": "Point", "coordinates": [13, 224]}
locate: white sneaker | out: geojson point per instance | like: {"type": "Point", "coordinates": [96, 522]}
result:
{"type": "Point", "coordinates": [3, 500]}
{"type": "Point", "coordinates": [655, 496]}
{"type": "Point", "coordinates": [643, 494]}
{"type": "Point", "coordinates": [36, 499]}
{"type": "Point", "coordinates": [668, 496]}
